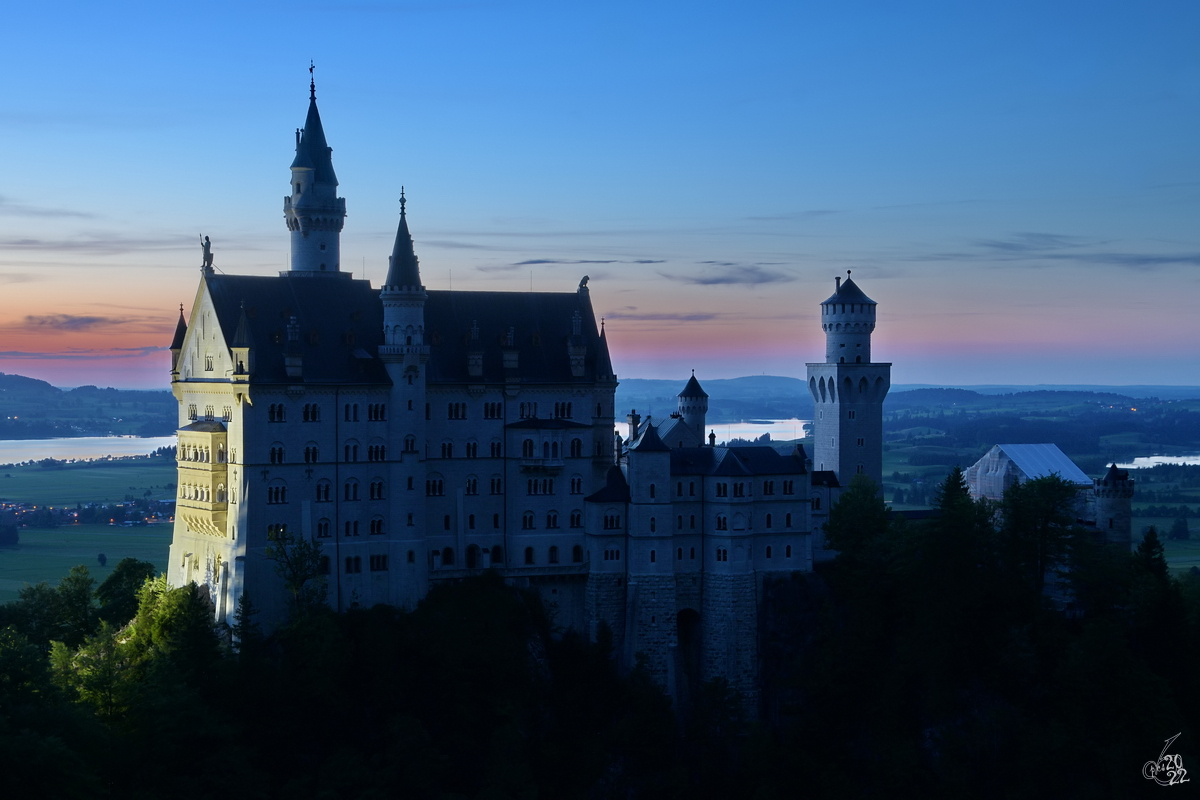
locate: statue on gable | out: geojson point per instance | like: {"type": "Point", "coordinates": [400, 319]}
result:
{"type": "Point", "coordinates": [206, 246]}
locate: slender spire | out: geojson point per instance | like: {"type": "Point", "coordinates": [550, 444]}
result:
{"type": "Point", "coordinates": [312, 82]}
{"type": "Point", "coordinates": [403, 269]}
{"type": "Point", "coordinates": [180, 330]}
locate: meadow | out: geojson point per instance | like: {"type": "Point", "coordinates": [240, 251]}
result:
{"type": "Point", "coordinates": [47, 554]}
{"type": "Point", "coordinates": [89, 482]}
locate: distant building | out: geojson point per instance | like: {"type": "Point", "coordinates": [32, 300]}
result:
{"type": "Point", "coordinates": [424, 436]}
{"type": "Point", "coordinates": [1104, 503]}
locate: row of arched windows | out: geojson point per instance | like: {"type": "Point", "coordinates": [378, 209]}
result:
{"type": "Point", "coordinates": [202, 494]}
{"type": "Point", "coordinates": [193, 452]}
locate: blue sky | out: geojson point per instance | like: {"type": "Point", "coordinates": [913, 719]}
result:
{"type": "Point", "coordinates": [1017, 184]}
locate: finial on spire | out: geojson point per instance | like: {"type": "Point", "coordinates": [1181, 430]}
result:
{"type": "Point", "coordinates": [312, 82]}
{"type": "Point", "coordinates": [402, 201]}
{"type": "Point", "coordinates": [181, 308]}
{"type": "Point", "coordinates": [847, 273]}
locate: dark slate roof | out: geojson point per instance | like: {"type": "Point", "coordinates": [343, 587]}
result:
{"type": "Point", "coordinates": [402, 266]}
{"type": "Point", "coordinates": [848, 292]}
{"type": "Point", "coordinates": [616, 488]}
{"type": "Point", "coordinates": [205, 426]}
{"type": "Point", "coordinates": [312, 150]}
{"type": "Point", "coordinates": [1114, 475]}
{"type": "Point", "coordinates": [693, 388]}
{"type": "Point", "coordinates": [336, 317]}
{"type": "Point", "coordinates": [603, 363]}
{"type": "Point", "coordinates": [541, 324]}
{"type": "Point", "coordinates": [825, 477]}
{"type": "Point", "coordinates": [734, 461]}
{"type": "Point", "coordinates": [649, 442]}
{"type": "Point", "coordinates": [180, 331]}
{"type": "Point", "coordinates": [547, 424]}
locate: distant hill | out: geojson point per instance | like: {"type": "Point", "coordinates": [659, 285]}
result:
{"type": "Point", "coordinates": [777, 397]}
{"type": "Point", "coordinates": [33, 409]}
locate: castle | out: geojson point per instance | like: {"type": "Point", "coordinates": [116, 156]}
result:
{"type": "Point", "coordinates": [424, 436]}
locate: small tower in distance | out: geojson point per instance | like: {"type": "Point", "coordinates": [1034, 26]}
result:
{"type": "Point", "coordinates": [848, 389]}
{"type": "Point", "coordinates": [693, 405]}
{"type": "Point", "coordinates": [313, 211]}
{"type": "Point", "coordinates": [1113, 495]}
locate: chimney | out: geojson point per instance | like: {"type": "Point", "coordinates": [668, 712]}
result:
{"type": "Point", "coordinates": [635, 419]}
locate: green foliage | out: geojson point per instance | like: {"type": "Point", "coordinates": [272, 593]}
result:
{"type": "Point", "coordinates": [1039, 523]}
{"type": "Point", "coordinates": [118, 594]}
{"type": "Point", "coordinates": [298, 562]}
{"type": "Point", "coordinates": [1179, 530]}
{"type": "Point", "coordinates": [857, 519]}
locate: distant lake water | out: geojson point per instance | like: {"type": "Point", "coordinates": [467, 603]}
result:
{"type": "Point", "coordinates": [781, 430]}
{"type": "Point", "coordinates": [1151, 461]}
{"type": "Point", "coordinates": [13, 451]}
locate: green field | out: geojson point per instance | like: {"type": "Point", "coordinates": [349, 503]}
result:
{"type": "Point", "coordinates": [89, 482]}
{"type": "Point", "coordinates": [48, 554]}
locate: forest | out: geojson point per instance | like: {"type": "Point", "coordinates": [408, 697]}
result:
{"type": "Point", "coordinates": [994, 650]}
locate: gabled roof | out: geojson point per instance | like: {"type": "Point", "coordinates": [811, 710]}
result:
{"type": "Point", "coordinates": [825, 477]}
{"type": "Point", "coordinates": [848, 292]}
{"type": "Point", "coordinates": [336, 318]}
{"type": "Point", "coordinates": [1042, 460]}
{"type": "Point", "coordinates": [616, 488]}
{"type": "Point", "coordinates": [649, 442]}
{"type": "Point", "coordinates": [734, 461]}
{"type": "Point", "coordinates": [540, 324]}
{"type": "Point", "coordinates": [341, 324]}
{"type": "Point", "coordinates": [693, 388]}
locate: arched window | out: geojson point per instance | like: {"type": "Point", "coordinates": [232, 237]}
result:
{"type": "Point", "coordinates": [653, 525]}
{"type": "Point", "coordinates": [768, 524]}
{"type": "Point", "coordinates": [576, 448]}
{"type": "Point", "coordinates": [787, 553]}
{"type": "Point", "coordinates": [448, 557]}
{"type": "Point", "coordinates": [497, 554]}
{"type": "Point", "coordinates": [323, 529]}
{"type": "Point", "coordinates": [787, 521]}
{"type": "Point", "coordinates": [577, 554]}
{"type": "Point", "coordinates": [653, 556]}
{"type": "Point", "coordinates": [527, 448]}
{"type": "Point", "coordinates": [768, 551]}
{"type": "Point", "coordinates": [652, 491]}
{"type": "Point", "coordinates": [545, 449]}
{"type": "Point", "coordinates": [410, 444]}
{"type": "Point", "coordinates": [527, 520]}
{"type": "Point", "coordinates": [528, 555]}
{"type": "Point", "coordinates": [323, 491]}
{"type": "Point", "coordinates": [553, 555]}
{"type": "Point", "coordinates": [472, 556]}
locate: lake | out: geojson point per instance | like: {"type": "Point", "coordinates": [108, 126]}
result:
{"type": "Point", "coordinates": [14, 451]}
{"type": "Point", "coordinates": [1146, 462]}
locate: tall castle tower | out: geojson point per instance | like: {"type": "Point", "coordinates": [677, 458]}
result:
{"type": "Point", "coordinates": [405, 355]}
{"type": "Point", "coordinates": [314, 213]}
{"type": "Point", "coordinates": [1113, 495]}
{"type": "Point", "coordinates": [848, 389]}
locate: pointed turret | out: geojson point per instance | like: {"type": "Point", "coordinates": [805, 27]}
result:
{"type": "Point", "coordinates": [177, 341]}
{"type": "Point", "coordinates": [604, 370]}
{"type": "Point", "coordinates": [313, 211]}
{"type": "Point", "coordinates": [693, 405]}
{"type": "Point", "coordinates": [403, 269]}
{"type": "Point", "coordinates": [241, 347]}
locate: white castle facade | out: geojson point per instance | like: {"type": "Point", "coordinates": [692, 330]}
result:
{"type": "Point", "coordinates": [425, 436]}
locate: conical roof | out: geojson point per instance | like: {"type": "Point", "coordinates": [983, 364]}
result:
{"type": "Point", "coordinates": [180, 331]}
{"type": "Point", "coordinates": [848, 292]}
{"type": "Point", "coordinates": [649, 442]}
{"type": "Point", "coordinates": [313, 151]}
{"type": "Point", "coordinates": [693, 388]}
{"type": "Point", "coordinates": [403, 269]}
{"type": "Point", "coordinates": [603, 362]}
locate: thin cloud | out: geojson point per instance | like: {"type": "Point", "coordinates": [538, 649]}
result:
{"type": "Point", "coordinates": [1043, 249]}
{"type": "Point", "coordinates": [19, 277]}
{"type": "Point", "coordinates": [730, 274]}
{"type": "Point", "coordinates": [70, 322]}
{"type": "Point", "coordinates": [99, 244]}
{"type": "Point", "coordinates": [78, 354]}
{"type": "Point", "coordinates": [537, 261]}
{"type": "Point", "coordinates": [816, 212]}
{"type": "Point", "coordinates": [663, 317]}
{"type": "Point", "coordinates": [9, 208]}
{"type": "Point", "coordinates": [1032, 243]}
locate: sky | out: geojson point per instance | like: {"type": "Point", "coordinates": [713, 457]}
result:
{"type": "Point", "coordinates": [1016, 184]}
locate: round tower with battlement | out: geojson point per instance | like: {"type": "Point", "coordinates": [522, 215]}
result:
{"type": "Point", "coordinates": [1113, 495]}
{"type": "Point", "coordinates": [848, 319]}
